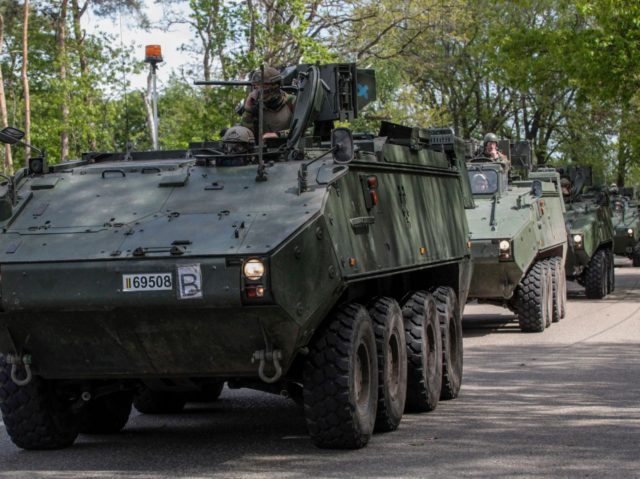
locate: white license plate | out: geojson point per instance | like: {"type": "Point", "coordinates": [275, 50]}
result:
{"type": "Point", "coordinates": [147, 282]}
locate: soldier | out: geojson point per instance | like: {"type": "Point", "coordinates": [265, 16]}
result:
{"type": "Point", "coordinates": [490, 150]}
{"type": "Point", "coordinates": [480, 183]}
{"type": "Point", "coordinates": [278, 105]}
{"type": "Point", "coordinates": [237, 140]}
{"type": "Point", "coordinates": [565, 186]}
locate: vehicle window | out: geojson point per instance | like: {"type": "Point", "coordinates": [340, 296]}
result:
{"type": "Point", "coordinates": [483, 182]}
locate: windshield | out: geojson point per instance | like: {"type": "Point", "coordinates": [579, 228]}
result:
{"type": "Point", "coordinates": [483, 182]}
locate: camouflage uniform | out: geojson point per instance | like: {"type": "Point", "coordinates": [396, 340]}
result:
{"type": "Point", "coordinates": [277, 113]}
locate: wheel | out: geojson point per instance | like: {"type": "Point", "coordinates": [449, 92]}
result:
{"type": "Point", "coordinates": [209, 393]}
{"type": "Point", "coordinates": [424, 352]}
{"type": "Point", "coordinates": [596, 276]}
{"type": "Point", "coordinates": [532, 299]}
{"type": "Point", "coordinates": [451, 330]}
{"type": "Point", "coordinates": [612, 271]}
{"type": "Point", "coordinates": [158, 402]}
{"type": "Point", "coordinates": [388, 328]}
{"type": "Point", "coordinates": [340, 381]}
{"type": "Point", "coordinates": [106, 414]}
{"type": "Point", "coordinates": [558, 289]}
{"type": "Point", "coordinates": [36, 416]}
{"type": "Point", "coordinates": [635, 256]}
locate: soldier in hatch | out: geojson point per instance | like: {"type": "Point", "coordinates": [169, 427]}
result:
{"type": "Point", "coordinates": [565, 186]}
{"type": "Point", "coordinates": [240, 141]}
{"type": "Point", "coordinates": [490, 150]}
{"type": "Point", "coordinates": [278, 105]}
{"type": "Point", "coordinates": [480, 184]}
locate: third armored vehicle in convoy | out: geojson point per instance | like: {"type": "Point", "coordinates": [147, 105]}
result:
{"type": "Point", "coordinates": [310, 268]}
{"type": "Point", "coordinates": [588, 221]}
{"type": "Point", "coordinates": [626, 224]}
{"type": "Point", "coordinates": [518, 240]}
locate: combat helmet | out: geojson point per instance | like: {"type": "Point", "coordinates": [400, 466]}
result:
{"type": "Point", "coordinates": [271, 75]}
{"type": "Point", "coordinates": [239, 134]}
{"type": "Point", "coordinates": [490, 137]}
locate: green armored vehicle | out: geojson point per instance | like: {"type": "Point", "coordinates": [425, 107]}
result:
{"type": "Point", "coordinates": [311, 266]}
{"type": "Point", "coordinates": [518, 240]}
{"type": "Point", "coordinates": [588, 221]}
{"type": "Point", "coordinates": [626, 224]}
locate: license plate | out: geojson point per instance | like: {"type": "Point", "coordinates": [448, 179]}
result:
{"type": "Point", "coordinates": [147, 282]}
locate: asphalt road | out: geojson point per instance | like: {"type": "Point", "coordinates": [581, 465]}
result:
{"type": "Point", "coordinates": [563, 403]}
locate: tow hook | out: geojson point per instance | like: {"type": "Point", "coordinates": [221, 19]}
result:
{"type": "Point", "coordinates": [15, 361]}
{"type": "Point", "coordinates": [272, 356]}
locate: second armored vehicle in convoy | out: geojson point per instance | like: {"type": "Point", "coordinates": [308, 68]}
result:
{"type": "Point", "coordinates": [626, 224]}
{"type": "Point", "coordinates": [305, 267]}
{"type": "Point", "coordinates": [588, 221]}
{"type": "Point", "coordinates": [518, 240]}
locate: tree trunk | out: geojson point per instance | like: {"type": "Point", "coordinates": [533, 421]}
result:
{"type": "Point", "coordinates": [621, 167]}
{"type": "Point", "coordinates": [25, 80]}
{"type": "Point", "coordinates": [62, 52]}
{"type": "Point", "coordinates": [4, 120]}
{"type": "Point", "coordinates": [77, 12]}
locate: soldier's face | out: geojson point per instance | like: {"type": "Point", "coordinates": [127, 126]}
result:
{"type": "Point", "coordinates": [491, 147]}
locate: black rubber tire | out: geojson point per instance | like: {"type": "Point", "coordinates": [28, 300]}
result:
{"type": "Point", "coordinates": [424, 352]}
{"type": "Point", "coordinates": [159, 402]}
{"type": "Point", "coordinates": [35, 416]}
{"type": "Point", "coordinates": [340, 381]}
{"type": "Point", "coordinates": [210, 393]}
{"type": "Point", "coordinates": [531, 299]}
{"type": "Point", "coordinates": [635, 256]}
{"type": "Point", "coordinates": [559, 289]}
{"type": "Point", "coordinates": [612, 271]}
{"type": "Point", "coordinates": [596, 276]}
{"type": "Point", "coordinates": [391, 347]}
{"type": "Point", "coordinates": [452, 349]}
{"type": "Point", "coordinates": [106, 414]}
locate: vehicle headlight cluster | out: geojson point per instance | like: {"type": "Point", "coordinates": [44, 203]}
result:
{"type": "Point", "coordinates": [254, 269]}
{"type": "Point", "coordinates": [630, 232]}
{"type": "Point", "coordinates": [578, 241]}
{"type": "Point", "coordinates": [505, 250]}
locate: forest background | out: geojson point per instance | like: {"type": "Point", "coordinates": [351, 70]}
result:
{"type": "Point", "coordinates": [563, 74]}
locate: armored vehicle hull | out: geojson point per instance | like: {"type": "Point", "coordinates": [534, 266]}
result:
{"type": "Point", "coordinates": [339, 281]}
{"type": "Point", "coordinates": [518, 246]}
{"type": "Point", "coordinates": [626, 225]}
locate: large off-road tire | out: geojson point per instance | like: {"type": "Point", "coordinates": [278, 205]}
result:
{"type": "Point", "coordinates": [559, 288]}
{"type": "Point", "coordinates": [210, 393]}
{"type": "Point", "coordinates": [532, 299]}
{"type": "Point", "coordinates": [635, 255]}
{"type": "Point", "coordinates": [35, 415]}
{"type": "Point", "coordinates": [159, 402]}
{"type": "Point", "coordinates": [424, 352]}
{"type": "Point", "coordinates": [388, 328]}
{"type": "Point", "coordinates": [340, 379]}
{"type": "Point", "coordinates": [106, 414]}
{"type": "Point", "coordinates": [612, 271]}
{"type": "Point", "coordinates": [452, 352]}
{"type": "Point", "coordinates": [596, 276]}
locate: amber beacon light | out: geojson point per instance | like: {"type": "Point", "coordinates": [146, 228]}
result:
{"type": "Point", "coordinates": [152, 54]}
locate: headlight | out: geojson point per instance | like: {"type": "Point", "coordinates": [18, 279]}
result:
{"type": "Point", "coordinates": [577, 238]}
{"type": "Point", "coordinates": [253, 269]}
{"type": "Point", "coordinates": [630, 232]}
{"type": "Point", "coordinates": [505, 250]}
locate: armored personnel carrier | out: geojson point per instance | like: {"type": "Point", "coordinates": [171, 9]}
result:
{"type": "Point", "coordinates": [588, 221]}
{"type": "Point", "coordinates": [326, 270]}
{"type": "Point", "coordinates": [518, 240]}
{"type": "Point", "coordinates": [626, 224]}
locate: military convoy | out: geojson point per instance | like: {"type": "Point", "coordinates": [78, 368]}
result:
{"type": "Point", "coordinates": [626, 224]}
{"type": "Point", "coordinates": [330, 270]}
{"type": "Point", "coordinates": [588, 221]}
{"type": "Point", "coordinates": [518, 238]}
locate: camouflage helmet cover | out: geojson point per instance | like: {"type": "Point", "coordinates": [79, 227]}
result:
{"type": "Point", "coordinates": [490, 137]}
{"type": "Point", "coordinates": [271, 75]}
{"type": "Point", "coordinates": [238, 134]}
{"type": "Point", "coordinates": [565, 181]}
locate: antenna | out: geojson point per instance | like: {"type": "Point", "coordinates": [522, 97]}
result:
{"type": "Point", "coordinates": [124, 84]}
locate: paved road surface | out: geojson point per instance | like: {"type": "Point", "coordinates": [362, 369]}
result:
{"type": "Point", "coordinates": [564, 403]}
